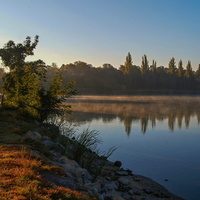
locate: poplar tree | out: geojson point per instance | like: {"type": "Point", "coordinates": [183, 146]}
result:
{"type": "Point", "coordinates": [172, 66]}
{"type": "Point", "coordinates": [127, 65]}
{"type": "Point", "coordinates": [180, 70]}
{"type": "Point", "coordinates": [145, 65]}
{"type": "Point", "coordinates": [197, 73]}
{"type": "Point", "coordinates": [153, 66]}
{"type": "Point", "coordinates": [189, 72]}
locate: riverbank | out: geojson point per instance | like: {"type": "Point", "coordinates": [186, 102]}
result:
{"type": "Point", "coordinates": [101, 180]}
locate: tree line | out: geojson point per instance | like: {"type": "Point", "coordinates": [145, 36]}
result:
{"type": "Point", "coordinates": [132, 79]}
{"type": "Point", "coordinates": [129, 79]}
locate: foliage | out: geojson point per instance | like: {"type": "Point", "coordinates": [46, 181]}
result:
{"type": "Point", "coordinates": [180, 71]}
{"type": "Point", "coordinates": [153, 66]}
{"type": "Point", "coordinates": [172, 66]}
{"type": "Point", "coordinates": [127, 65]}
{"type": "Point", "coordinates": [188, 72]}
{"type": "Point", "coordinates": [24, 86]}
{"type": "Point", "coordinates": [142, 79]}
{"type": "Point", "coordinates": [145, 65]}
{"type": "Point", "coordinates": [197, 74]}
{"type": "Point", "coordinates": [13, 55]}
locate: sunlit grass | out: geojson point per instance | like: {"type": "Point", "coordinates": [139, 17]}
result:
{"type": "Point", "coordinates": [21, 179]}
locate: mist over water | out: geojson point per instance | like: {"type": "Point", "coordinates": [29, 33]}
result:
{"type": "Point", "coordinates": [157, 137]}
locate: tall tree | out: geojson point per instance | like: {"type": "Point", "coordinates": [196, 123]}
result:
{"type": "Point", "coordinates": [23, 86]}
{"type": "Point", "coordinates": [197, 73]}
{"type": "Point", "coordinates": [153, 66]}
{"type": "Point", "coordinates": [145, 65]}
{"type": "Point", "coordinates": [2, 72]}
{"type": "Point", "coordinates": [13, 55]}
{"type": "Point", "coordinates": [189, 72]}
{"type": "Point", "coordinates": [180, 70]}
{"type": "Point", "coordinates": [127, 65]}
{"type": "Point", "coordinates": [172, 66]}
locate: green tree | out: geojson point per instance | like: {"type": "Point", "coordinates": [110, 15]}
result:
{"type": "Point", "coordinates": [2, 72]}
{"type": "Point", "coordinates": [13, 55]}
{"type": "Point", "coordinates": [180, 70]}
{"type": "Point", "coordinates": [172, 66]}
{"type": "Point", "coordinates": [127, 65]}
{"type": "Point", "coordinates": [23, 86]}
{"type": "Point", "coordinates": [145, 65]}
{"type": "Point", "coordinates": [153, 66]}
{"type": "Point", "coordinates": [189, 72]}
{"type": "Point", "coordinates": [197, 73]}
{"type": "Point", "coordinates": [107, 66]}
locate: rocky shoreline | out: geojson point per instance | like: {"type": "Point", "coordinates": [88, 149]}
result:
{"type": "Point", "coordinates": [111, 183]}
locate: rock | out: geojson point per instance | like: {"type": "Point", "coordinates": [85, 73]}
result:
{"type": "Point", "coordinates": [84, 174]}
{"type": "Point", "coordinates": [110, 186]}
{"type": "Point", "coordinates": [66, 160]}
{"type": "Point", "coordinates": [118, 163]}
{"type": "Point", "coordinates": [114, 183]}
{"type": "Point", "coordinates": [59, 180]}
{"type": "Point", "coordinates": [101, 196]}
{"type": "Point", "coordinates": [60, 148]}
{"type": "Point", "coordinates": [74, 164]}
{"type": "Point", "coordinates": [34, 135]}
{"type": "Point", "coordinates": [108, 178]}
{"type": "Point", "coordinates": [148, 198]}
{"type": "Point", "coordinates": [136, 179]}
{"type": "Point", "coordinates": [124, 181]}
{"type": "Point", "coordinates": [134, 191]}
{"type": "Point", "coordinates": [129, 172]}
{"type": "Point", "coordinates": [79, 180]}
{"type": "Point", "coordinates": [45, 137]}
{"type": "Point", "coordinates": [66, 183]}
{"type": "Point", "coordinates": [113, 197]}
{"type": "Point", "coordinates": [49, 143]}
{"type": "Point", "coordinates": [122, 173]}
{"type": "Point", "coordinates": [70, 176]}
{"type": "Point", "coordinates": [148, 191]}
{"type": "Point", "coordinates": [95, 187]}
{"type": "Point", "coordinates": [117, 198]}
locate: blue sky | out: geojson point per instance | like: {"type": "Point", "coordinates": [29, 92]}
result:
{"type": "Point", "coordinates": [104, 31]}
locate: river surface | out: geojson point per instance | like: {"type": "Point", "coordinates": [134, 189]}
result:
{"type": "Point", "coordinates": [155, 136]}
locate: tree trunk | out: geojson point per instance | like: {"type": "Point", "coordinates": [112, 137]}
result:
{"type": "Point", "coordinates": [2, 100]}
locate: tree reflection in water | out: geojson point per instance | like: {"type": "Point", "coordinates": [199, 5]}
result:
{"type": "Point", "coordinates": [146, 110]}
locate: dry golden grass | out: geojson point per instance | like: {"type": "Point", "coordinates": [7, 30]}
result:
{"type": "Point", "coordinates": [20, 177]}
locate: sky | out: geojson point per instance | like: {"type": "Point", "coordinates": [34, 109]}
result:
{"type": "Point", "coordinates": [104, 31]}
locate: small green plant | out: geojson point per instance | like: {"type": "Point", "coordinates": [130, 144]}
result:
{"type": "Point", "coordinates": [86, 151]}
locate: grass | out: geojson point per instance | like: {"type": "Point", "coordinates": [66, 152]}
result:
{"type": "Point", "coordinates": [12, 126]}
{"type": "Point", "coordinates": [21, 177]}
{"type": "Point", "coordinates": [20, 171]}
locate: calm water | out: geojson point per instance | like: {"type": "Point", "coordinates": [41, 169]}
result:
{"type": "Point", "coordinates": [158, 137]}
